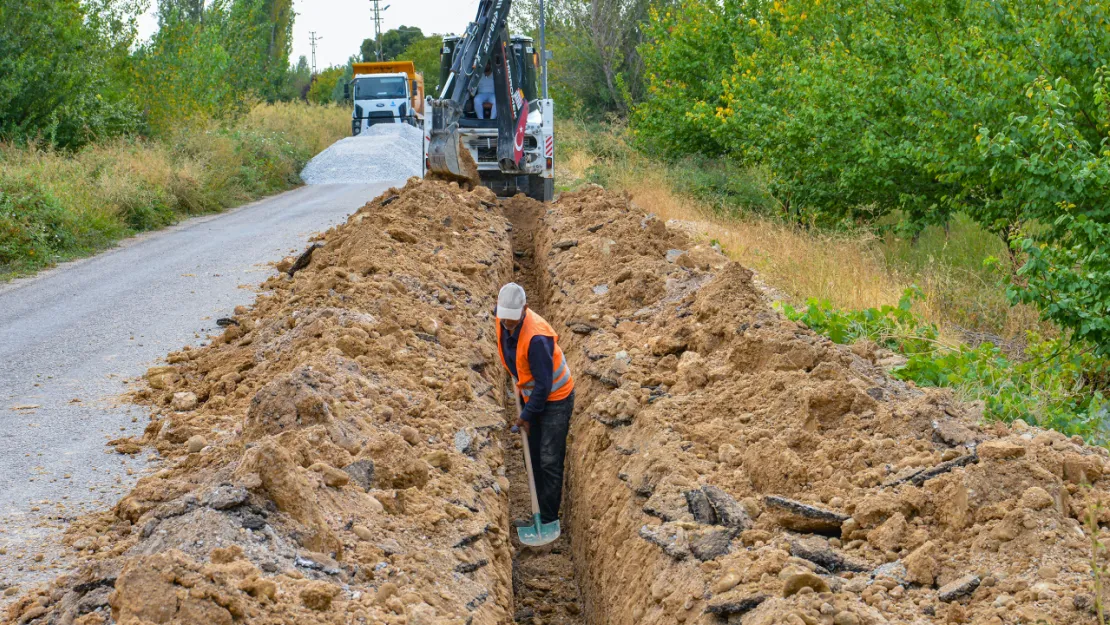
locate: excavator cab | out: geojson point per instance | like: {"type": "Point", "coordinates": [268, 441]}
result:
{"type": "Point", "coordinates": [513, 153]}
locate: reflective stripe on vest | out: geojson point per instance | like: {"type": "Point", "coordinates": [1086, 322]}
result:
{"type": "Point", "coordinates": [561, 377]}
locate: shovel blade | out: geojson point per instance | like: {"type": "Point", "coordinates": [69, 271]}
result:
{"type": "Point", "coordinates": [538, 534]}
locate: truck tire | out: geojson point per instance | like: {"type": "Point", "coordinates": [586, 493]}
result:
{"type": "Point", "coordinates": [541, 189]}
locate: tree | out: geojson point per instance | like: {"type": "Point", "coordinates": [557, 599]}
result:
{"type": "Point", "coordinates": [191, 10]}
{"type": "Point", "coordinates": [862, 108]}
{"type": "Point", "coordinates": [259, 37]}
{"type": "Point", "coordinates": [424, 53]}
{"type": "Point", "coordinates": [196, 70]}
{"type": "Point", "coordinates": [327, 86]}
{"type": "Point", "coordinates": [596, 63]}
{"type": "Point", "coordinates": [62, 70]}
{"type": "Point", "coordinates": [300, 79]}
{"type": "Point", "coordinates": [394, 43]}
{"type": "Point", "coordinates": [185, 74]}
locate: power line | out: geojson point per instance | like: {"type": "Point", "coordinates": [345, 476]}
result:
{"type": "Point", "coordinates": [313, 38]}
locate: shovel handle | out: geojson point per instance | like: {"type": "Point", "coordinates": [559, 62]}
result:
{"type": "Point", "coordinates": [527, 457]}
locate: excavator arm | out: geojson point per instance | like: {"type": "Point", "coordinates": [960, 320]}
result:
{"type": "Point", "coordinates": [485, 42]}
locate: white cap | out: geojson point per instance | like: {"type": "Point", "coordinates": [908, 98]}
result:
{"type": "Point", "coordinates": [511, 301]}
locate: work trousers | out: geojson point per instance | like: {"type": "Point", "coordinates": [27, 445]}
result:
{"type": "Point", "coordinates": [547, 440]}
{"type": "Point", "coordinates": [481, 99]}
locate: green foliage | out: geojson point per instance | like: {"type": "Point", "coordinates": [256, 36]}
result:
{"type": "Point", "coordinates": [70, 73]}
{"type": "Point", "coordinates": [193, 71]}
{"type": "Point", "coordinates": [1053, 174]}
{"type": "Point", "coordinates": [1056, 385]}
{"type": "Point", "coordinates": [182, 74]}
{"type": "Point", "coordinates": [728, 186]}
{"type": "Point", "coordinates": [300, 79]}
{"type": "Point", "coordinates": [257, 35]}
{"type": "Point", "coordinates": [394, 43]}
{"type": "Point", "coordinates": [893, 327]}
{"type": "Point", "coordinates": [859, 109]}
{"type": "Point", "coordinates": [32, 223]}
{"type": "Point", "coordinates": [424, 53]}
{"type": "Point", "coordinates": [192, 10]}
{"type": "Point", "coordinates": [1069, 279]}
{"type": "Point", "coordinates": [328, 85]}
{"type": "Point", "coordinates": [60, 70]}
{"type": "Point", "coordinates": [596, 66]}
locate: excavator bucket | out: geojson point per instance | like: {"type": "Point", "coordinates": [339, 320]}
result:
{"type": "Point", "coordinates": [448, 158]}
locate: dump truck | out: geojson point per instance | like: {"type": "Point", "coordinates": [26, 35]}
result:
{"type": "Point", "coordinates": [515, 152]}
{"type": "Point", "coordinates": [387, 92]}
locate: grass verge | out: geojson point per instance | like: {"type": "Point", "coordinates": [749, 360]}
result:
{"type": "Point", "coordinates": [850, 267]}
{"type": "Point", "coordinates": [56, 205]}
{"type": "Point", "coordinates": [939, 300]}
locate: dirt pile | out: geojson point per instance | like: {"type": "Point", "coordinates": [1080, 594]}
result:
{"type": "Point", "coordinates": [728, 465]}
{"type": "Point", "coordinates": [329, 456]}
{"type": "Point", "coordinates": [332, 457]}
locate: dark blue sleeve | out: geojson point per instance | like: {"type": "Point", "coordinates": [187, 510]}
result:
{"type": "Point", "coordinates": [541, 359]}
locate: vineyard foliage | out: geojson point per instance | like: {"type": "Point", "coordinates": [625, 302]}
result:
{"type": "Point", "coordinates": [863, 109]}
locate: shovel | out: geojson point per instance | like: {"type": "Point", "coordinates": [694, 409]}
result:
{"type": "Point", "coordinates": [539, 533]}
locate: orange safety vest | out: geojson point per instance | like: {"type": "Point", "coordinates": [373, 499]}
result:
{"type": "Point", "coordinates": [562, 383]}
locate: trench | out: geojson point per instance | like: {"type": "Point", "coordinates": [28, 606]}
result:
{"type": "Point", "coordinates": [545, 589]}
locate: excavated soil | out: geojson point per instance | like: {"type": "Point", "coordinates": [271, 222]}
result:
{"type": "Point", "coordinates": [331, 457]}
{"type": "Point", "coordinates": [338, 455]}
{"type": "Point", "coordinates": [728, 465]}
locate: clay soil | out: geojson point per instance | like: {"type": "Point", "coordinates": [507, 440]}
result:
{"type": "Point", "coordinates": [729, 465]}
{"type": "Point", "coordinates": [332, 456]}
{"type": "Point", "coordinates": [339, 453]}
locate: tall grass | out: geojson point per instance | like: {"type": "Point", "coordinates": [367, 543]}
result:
{"type": "Point", "coordinates": [56, 205]}
{"type": "Point", "coordinates": [853, 268]}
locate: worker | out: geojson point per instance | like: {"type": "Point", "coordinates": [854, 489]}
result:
{"type": "Point", "coordinates": [530, 352]}
{"type": "Point", "coordinates": [486, 93]}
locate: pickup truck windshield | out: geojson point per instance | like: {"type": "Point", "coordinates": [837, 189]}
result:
{"type": "Point", "coordinates": [379, 88]}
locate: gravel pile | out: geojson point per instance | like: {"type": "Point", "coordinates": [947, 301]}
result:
{"type": "Point", "coordinates": [384, 153]}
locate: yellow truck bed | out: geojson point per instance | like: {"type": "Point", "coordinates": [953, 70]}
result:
{"type": "Point", "coordinates": [386, 67]}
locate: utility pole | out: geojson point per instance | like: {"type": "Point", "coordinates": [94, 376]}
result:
{"type": "Point", "coordinates": [313, 38]}
{"type": "Point", "coordinates": [378, 10]}
{"type": "Point", "coordinates": [543, 51]}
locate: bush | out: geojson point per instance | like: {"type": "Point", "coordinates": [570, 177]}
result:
{"type": "Point", "coordinates": [869, 109]}
{"type": "Point", "coordinates": [1057, 384]}
{"type": "Point", "coordinates": [33, 225]}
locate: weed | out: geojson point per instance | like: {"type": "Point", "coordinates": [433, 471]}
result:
{"type": "Point", "coordinates": [56, 205]}
{"type": "Point", "coordinates": [1056, 384]}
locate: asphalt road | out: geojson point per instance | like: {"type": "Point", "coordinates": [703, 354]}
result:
{"type": "Point", "coordinates": [72, 337]}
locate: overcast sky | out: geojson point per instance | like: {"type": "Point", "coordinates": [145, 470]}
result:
{"type": "Point", "coordinates": [343, 24]}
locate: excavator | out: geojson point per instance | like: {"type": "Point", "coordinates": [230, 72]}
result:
{"type": "Point", "coordinates": [513, 153]}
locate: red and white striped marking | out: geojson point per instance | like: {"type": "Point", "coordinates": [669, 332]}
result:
{"type": "Point", "coordinates": [549, 146]}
